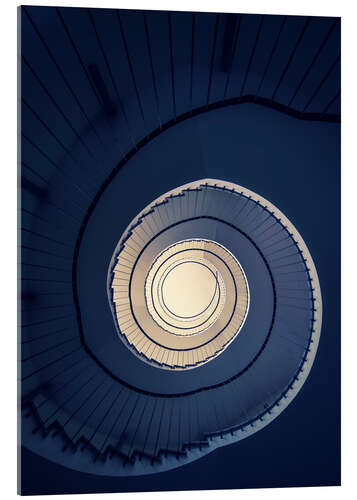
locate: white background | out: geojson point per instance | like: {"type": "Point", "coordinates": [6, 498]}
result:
{"type": "Point", "coordinates": [8, 292]}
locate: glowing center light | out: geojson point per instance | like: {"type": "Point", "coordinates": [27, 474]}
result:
{"type": "Point", "coordinates": [188, 289]}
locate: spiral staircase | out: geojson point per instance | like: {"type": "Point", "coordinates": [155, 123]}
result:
{"type": "Point", "coordinates": [117, 179]}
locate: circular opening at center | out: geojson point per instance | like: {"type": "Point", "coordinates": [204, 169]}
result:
{"type": "Point", "coordinates": [188, 289]}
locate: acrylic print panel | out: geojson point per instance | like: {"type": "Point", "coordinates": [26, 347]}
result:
{"type": "Point", "coordinates": [180, 250]}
